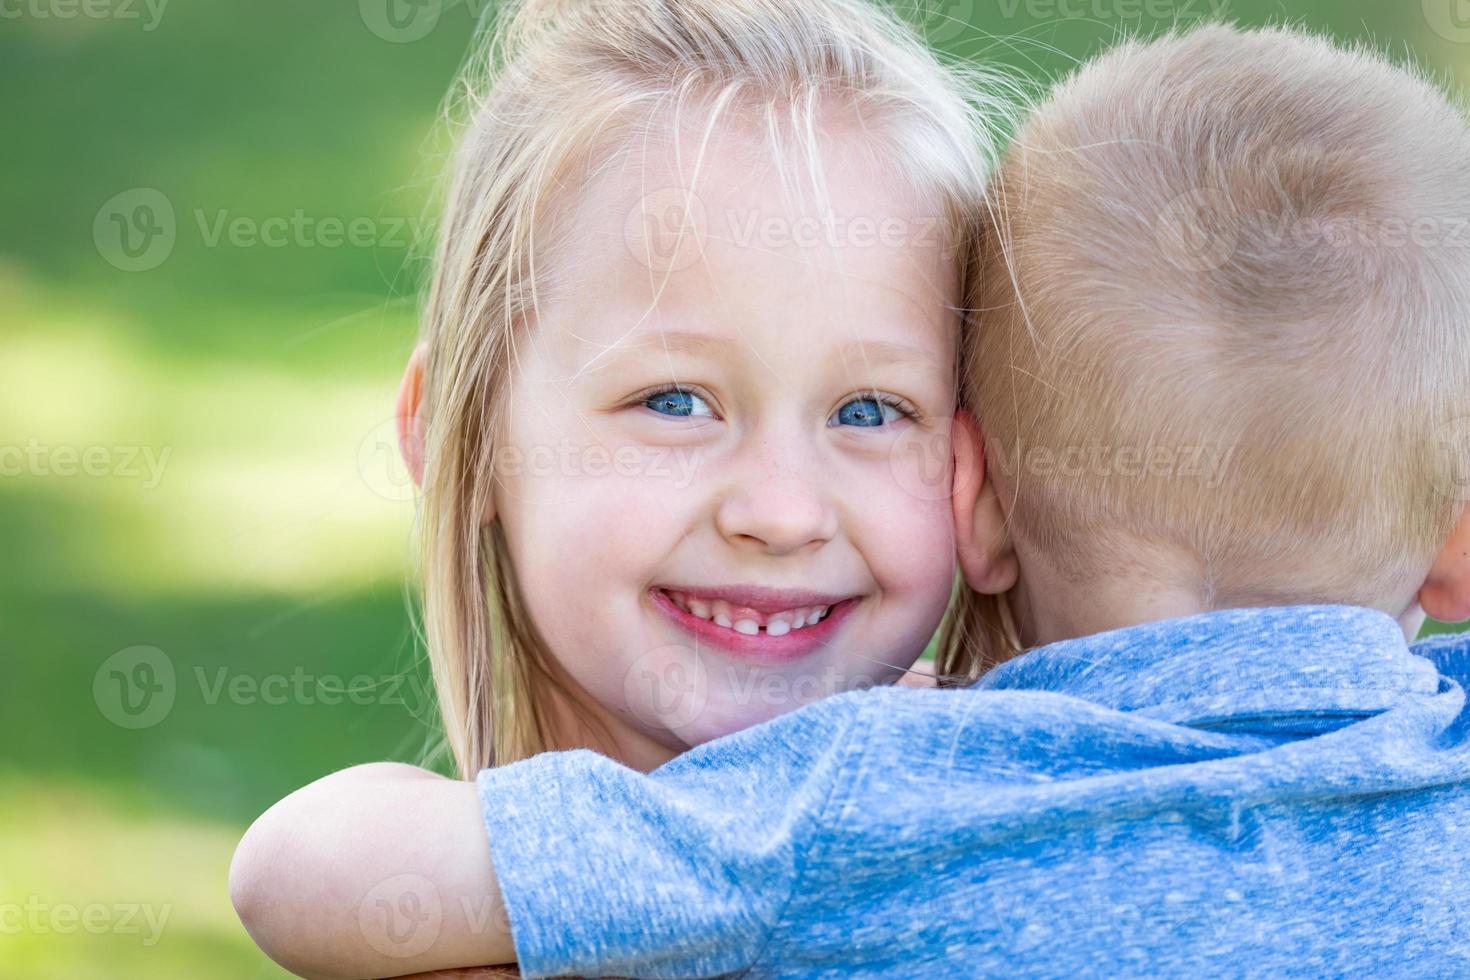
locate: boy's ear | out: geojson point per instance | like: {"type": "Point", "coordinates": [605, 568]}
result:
{"type": "Point", "coordinates": [1445, 594]}
{"type": "Point", "coordinates": [982, 542]}
{"type": "Point", "coordinates": [406, 414]}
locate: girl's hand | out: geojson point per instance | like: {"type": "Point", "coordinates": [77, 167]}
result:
{"type": "Point", "coordinates": [375, 871]}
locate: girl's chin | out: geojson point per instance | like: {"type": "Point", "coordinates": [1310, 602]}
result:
{"type": "Point", "coordinates": [696, 736]}
{"type": "Point", "coordinates": [729, 712]}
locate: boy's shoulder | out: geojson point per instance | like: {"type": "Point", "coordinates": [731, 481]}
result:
{"type": "Point", "coordinates": [1082, 762]}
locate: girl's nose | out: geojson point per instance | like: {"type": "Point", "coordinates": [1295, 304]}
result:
{"type": "Point", "coordinates": [777, 509]}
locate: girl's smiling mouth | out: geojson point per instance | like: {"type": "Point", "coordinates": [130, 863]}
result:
{"type": "Point", "coordinates": [755, 622]}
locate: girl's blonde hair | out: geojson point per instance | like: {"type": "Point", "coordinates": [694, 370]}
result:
{"type": "Point", "coordinates": [558, 82]}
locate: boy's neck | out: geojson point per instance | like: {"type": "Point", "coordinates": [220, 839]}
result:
{"type": "Point", "coordinates": [1048, 608]}
{"type": "Point", "coordinates": [1051, 611]}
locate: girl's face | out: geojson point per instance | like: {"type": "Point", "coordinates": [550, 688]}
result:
{"type": "Point", "coordinates": [726, 467]}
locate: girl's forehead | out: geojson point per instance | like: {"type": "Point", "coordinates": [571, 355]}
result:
{"type": "Point", "coordinates": [715, 247]}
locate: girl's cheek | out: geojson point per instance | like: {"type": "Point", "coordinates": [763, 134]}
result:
{"type": "Point", "coordinates": [907, 540]}
{"type": "Point", "coordinates": [599, 539]}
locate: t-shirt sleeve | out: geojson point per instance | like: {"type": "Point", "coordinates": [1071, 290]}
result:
{"type": "Point", "coordinates": [681, 872]}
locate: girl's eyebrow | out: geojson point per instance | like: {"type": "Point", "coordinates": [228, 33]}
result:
{"type": "Point", "coordinates": [890, 352]}
{"type": "Point", "coordinates": [663, 341]}
{"type": "Point", "coordinates": [695, 342]}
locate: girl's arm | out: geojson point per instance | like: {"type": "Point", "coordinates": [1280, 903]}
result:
{"type": "Point", "coordinates": [478, 973]}
{"type": "Point", "coordinates": [379, 870]}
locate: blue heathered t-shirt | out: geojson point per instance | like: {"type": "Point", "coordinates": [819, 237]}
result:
{"type": "Point", "coordinates": [1268, 792]}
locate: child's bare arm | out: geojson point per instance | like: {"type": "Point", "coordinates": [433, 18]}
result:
{"type": "Point", "coordinates": [376, 871]}
{"type": "Point", "coordinates": [476, 973]}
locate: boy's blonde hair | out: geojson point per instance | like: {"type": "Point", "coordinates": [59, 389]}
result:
{"type": "Point", "coordinates": [561, 85]}
{"type": "Point", "coordinates": [1243, 249]}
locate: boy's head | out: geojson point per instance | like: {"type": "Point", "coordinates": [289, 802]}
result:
{"type": "Point", "coordinates": [1221, 336]}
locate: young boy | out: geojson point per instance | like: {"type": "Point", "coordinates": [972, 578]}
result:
{"type": "Point", "coordinates": [1220, 367]}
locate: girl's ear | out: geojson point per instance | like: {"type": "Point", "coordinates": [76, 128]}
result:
{"type": "Point", "coordinates": [987, 558]}
{"type": "Point", "coordinates": [406, 413]}
{"type": "Point", "coordinates": [1445, 594]}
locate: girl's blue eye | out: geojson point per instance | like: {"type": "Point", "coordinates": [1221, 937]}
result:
{"type": "Point", "coordinates": [678, 403]}
{"type": "Point", "coordinates": [866, 412]}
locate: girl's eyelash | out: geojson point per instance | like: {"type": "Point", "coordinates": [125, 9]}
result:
{"type": "Point", "coordinates": [903, 405]}
{"type": "Point", "coordinates": [670, 389]}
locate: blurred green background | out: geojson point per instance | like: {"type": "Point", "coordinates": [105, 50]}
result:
{"type": "Point", "coordinates": [209, 269]}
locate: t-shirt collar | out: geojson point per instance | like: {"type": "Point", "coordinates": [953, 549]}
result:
{"type": "Point", "coordinates": [1292, 667]}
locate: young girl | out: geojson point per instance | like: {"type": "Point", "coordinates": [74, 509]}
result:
{"type": "Point", "coordinates": [681, 418]}
{"type": "Point", "coordinates": [672, 455]}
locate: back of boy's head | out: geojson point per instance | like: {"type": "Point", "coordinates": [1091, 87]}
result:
{"type": "Point", "coordinates": [1222, 312]}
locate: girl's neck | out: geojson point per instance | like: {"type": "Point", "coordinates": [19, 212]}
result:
{"type": "Point", "coordinates": [579, 721]}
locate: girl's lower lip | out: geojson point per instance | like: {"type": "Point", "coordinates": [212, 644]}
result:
{"type": "Point", "coordinates": [759, 647]}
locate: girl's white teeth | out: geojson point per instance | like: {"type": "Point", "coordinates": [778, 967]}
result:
{"type": "Point", "coordinates": [777, 624]}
